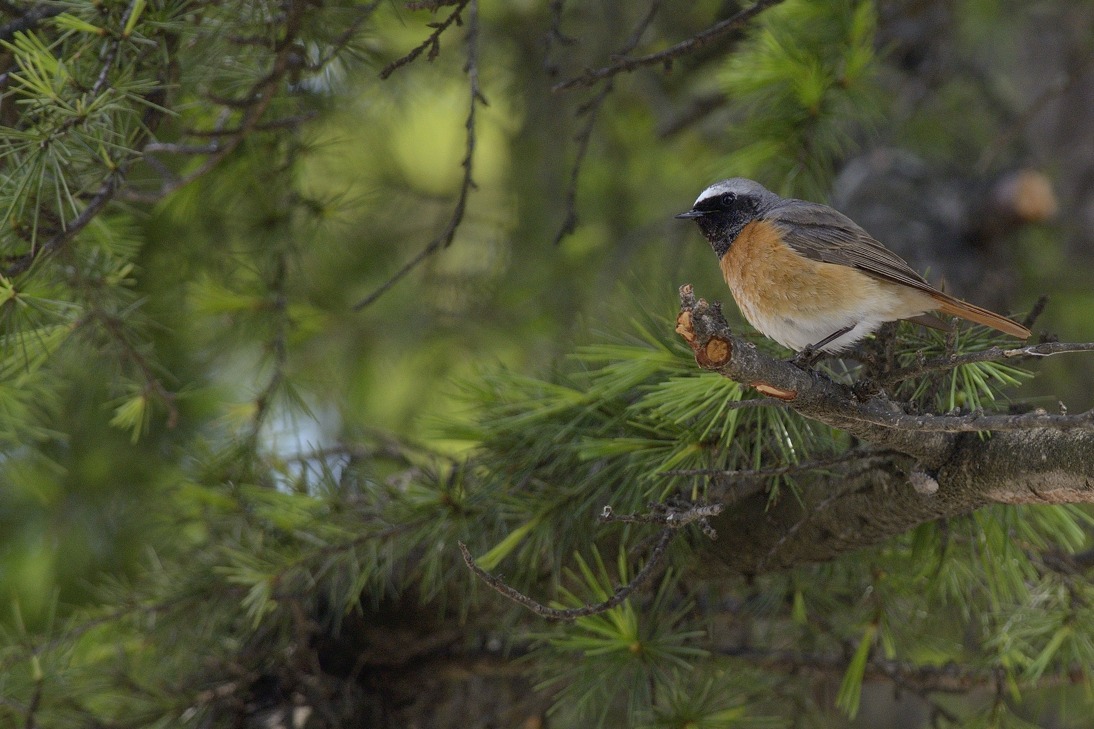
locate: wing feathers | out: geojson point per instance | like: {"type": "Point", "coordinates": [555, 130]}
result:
{"type": "Point", "coordinates": [823, 234]}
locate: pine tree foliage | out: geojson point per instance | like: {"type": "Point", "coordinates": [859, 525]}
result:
{"type": "Point", "coordinates": [806, 85]}
{"type": "Point", "coordinates": [174, 297]}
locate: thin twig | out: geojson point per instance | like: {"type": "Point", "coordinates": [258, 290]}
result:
{"type": "Point", "coordinates": [278, 345]}
{"type": "Point", "coordinates": [112, 53]}
{"type": "Point", "coordinates": [35, 703]}
{"type": "Point", "coordinates": [591, 110]}
{"type": "Point", "coordinates": [974, 423]}
{"type": "Point", "coordinates": [343, 39]}
{"type": "Point", "coordinates": [152, 384]}
{"type": "Point", "coordinates": [105, 194]}
{"type": "Point", "coordinates": [287, 122]}
{"type": "Point", "coordinates": [667, 56]}
{"type": "Point", "coordinates": [555, 35]}
{"type": "Point", "coordinates": [698, 109]}
{"type": "Point", "coordinates": [664, 516]}
{"type": "Point", "coordinates": [994, 354]}
{"type": "Point", "coordinates": [669, 516]}
{"type": "Point", "coordinates": [259, 97]}
{"type": "Point", "coordinates": [446, 237]}
{"type": "Point", "coordinates": [1035, 311]}
{"type": "Point", "coordinates": [432, 42]}
{"type": "Point", "coordinates": [182, 149]}
{"type": "Point", "coordinates": [544, 611]}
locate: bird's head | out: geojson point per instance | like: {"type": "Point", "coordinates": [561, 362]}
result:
{"type": "Point", "coordinates": [725, 208]}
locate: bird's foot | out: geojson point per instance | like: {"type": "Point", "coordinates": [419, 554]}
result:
{"type": "Point", "coordinates": [807, 357]}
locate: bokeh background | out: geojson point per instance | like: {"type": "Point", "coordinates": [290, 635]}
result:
{"type": "Point", "coordinates": [959, 133]}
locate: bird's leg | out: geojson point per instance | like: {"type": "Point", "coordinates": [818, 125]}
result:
{"type": "Point", "coordinates": [806, 357]}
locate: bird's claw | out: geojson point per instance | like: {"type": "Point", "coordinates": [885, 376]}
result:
{"type": "Point", "coordinates": [806, 358]}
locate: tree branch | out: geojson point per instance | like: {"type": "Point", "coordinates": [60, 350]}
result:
{"type": "Point", "coordinates": [809, 392]}
{"type": "Point", "coordinates": [544, 611]}
{"type": "Point", "coordinates": [667, 56]}
{"type": "Point", "coordinates": [591, 109]}
{"type": "Point", "coordinates": [104, 195]}
{"type": "Point", "coordinates": [1031, 458]}
{"type": "Point", "coordinates": [433, 42]}
{"type": "Point", "coordinates": [994, 354]}
{"type": "Point", "coordinates": [876, 419]}
{"type": "Point", "coordinates": [446, 237]}
{"type": "Point", "coordinates": [254, 104]}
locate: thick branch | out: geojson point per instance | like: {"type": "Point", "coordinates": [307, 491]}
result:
{"type": "Point", "coordinates": [935, 473]}
{"type": "Point", "coordinates": [809, 392]}
{"type": "Point", "coordinates": [860, 504]}
{"type": "Point", "coordinates": [875, 419]}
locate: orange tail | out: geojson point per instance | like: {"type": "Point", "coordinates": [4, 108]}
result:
{"type": "Point", "coordinates": [973, 313]}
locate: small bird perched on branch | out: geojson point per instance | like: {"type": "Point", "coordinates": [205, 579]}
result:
{"type": "Point", "coordinates": [808, 277]}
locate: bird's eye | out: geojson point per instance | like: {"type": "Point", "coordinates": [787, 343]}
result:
{"type": "Point", "coordinates": [728, 198]}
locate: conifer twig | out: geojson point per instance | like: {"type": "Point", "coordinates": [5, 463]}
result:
{"type": "Point", "coordinates": [338, 44]}
{"type": "Point", "coordinates": [591, 110]}
{"type": "Point", "coordinates": [669, 516]}
{"type": "Point", "coordinates": [278, 346]}
{"type": "Point", "coordinates": [153, 385]}
{"type": "Point", "coordinates": [993, 354]}
{"type": "Point", "coordinates": [545, 611]}
{"type": "Point", "coordinates": [253, 105]}
{"type": "Point", "coordinates": [555, 35]}
{"type": "Point", "coordinates": [102, 197]}
{"type": "Point", "coordinates": [667, 56]}
{"type": "Point", "coordinates": [432, 42]}
{"type": "Point", "coordinates": [447, 235]}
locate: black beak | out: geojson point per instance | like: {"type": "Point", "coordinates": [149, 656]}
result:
{"type": "Point", "coordinates": [690, 215]}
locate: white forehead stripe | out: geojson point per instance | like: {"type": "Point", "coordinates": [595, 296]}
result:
{"type": "Point", "coordinates": [716, 189]}
{"type": "Point", "coordinates": [738, 185]}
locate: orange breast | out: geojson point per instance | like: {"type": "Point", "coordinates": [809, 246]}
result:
{"type": "Point", "coordinates": [769, 280]}
{"type": "Point", "coordinates": [798, 301]}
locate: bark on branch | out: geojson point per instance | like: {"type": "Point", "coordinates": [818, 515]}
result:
{"type": "Point", "coordinates": [937, 467]}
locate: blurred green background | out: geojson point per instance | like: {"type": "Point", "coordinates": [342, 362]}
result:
{"type": "Point", "coordinates": [372, 179]}
{"type": "Point", "coordinates": [910, 116]}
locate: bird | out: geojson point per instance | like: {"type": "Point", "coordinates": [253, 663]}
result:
{"type": "Point", "coordinates": [808, 277]}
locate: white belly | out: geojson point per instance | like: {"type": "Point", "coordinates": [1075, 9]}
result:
{"type": "Point", "coordinates": [798, 324]}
